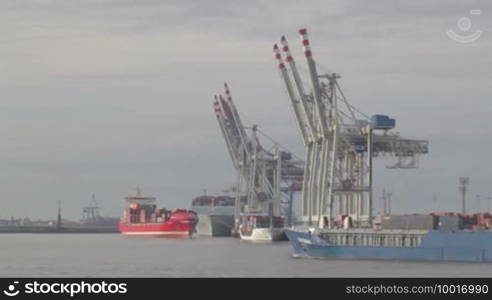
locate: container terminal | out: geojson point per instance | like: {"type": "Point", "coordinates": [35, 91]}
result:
{"type": "Point", "coordinates": [334, 181]}
{"type": "Point", "coordinates": [335, 178]}
{"type": "Point", "coordinates": [268, 177]}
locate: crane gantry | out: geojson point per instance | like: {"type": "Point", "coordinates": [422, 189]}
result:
{"type": "Point", "coordinates": [340, 143]}
{"type": "Point", "coordinates": [266, 177]}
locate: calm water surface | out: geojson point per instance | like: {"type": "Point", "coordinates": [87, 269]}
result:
{"type": "Point", "coordinates": [112, 255]}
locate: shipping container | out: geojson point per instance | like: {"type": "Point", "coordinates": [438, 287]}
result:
{"type": "Point", "coordinates": [409, 222]}
{"type": "Point", "coordinates": [450, 223]}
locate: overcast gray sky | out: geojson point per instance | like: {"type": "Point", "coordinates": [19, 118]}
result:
{"type": "Point", "coordinates": [102, 96]}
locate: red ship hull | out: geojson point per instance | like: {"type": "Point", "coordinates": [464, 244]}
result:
{"type": "Point", "coordinates": [181, 224]}
{"type": "Point", "coordinates": [156, 229]}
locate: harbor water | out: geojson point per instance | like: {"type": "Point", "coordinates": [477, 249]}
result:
{"type": "Point", "coordinates": [113, 255]}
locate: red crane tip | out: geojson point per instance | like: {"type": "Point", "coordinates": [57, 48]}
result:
{"type": "Point", "coordinates": [303, 31]}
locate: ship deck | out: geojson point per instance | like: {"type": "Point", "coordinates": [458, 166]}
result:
{"type": "Point", "coordinates": [370, 237]}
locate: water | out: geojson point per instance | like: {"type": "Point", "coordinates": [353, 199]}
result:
{"type": "Point", "coordinates": [112, 255]}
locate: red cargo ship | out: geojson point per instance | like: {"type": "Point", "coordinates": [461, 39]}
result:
{"type": "Point", "coordinates": [142, 217]}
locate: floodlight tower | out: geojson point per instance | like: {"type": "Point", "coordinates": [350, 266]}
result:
{"type": "Point", "coordinates": [464, 181]}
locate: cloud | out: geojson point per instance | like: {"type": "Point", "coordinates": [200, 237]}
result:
{"type": "Point", "coordinates": [101, 96]}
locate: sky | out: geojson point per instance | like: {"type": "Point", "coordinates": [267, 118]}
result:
{"type": "Point", "coordinates": [104, 96]}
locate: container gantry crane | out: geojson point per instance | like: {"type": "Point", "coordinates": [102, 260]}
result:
{"type": "Point", "coordinates": [340, 143]}
{"type": "Point", "coordinates": [266, 177]}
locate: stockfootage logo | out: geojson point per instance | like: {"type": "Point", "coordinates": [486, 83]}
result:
{"type": "Point", "coordinates": [464, 25]}
{"type": "Point", "coordinates": [11, 290]}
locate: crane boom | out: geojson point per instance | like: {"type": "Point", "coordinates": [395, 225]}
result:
{"type": "Point", "coordinates": [296, 103]}
{"type": "Point", "coordinates": [313, 74]}
{"type": "Point", "coordinates": [307, 111]}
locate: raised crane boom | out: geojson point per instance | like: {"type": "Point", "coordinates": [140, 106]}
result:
{"type": "Point", "coordinates": [306, 110]}
{"type": "Point", "coordinates": [225, 134]}
{"type": "Point", "coordinates": [313, 74]}
{"type": "Point", "coordinates": [237, 120]}
{"type": "Point", "coordinates": [264, 175]}
{"type": "Point", "coordinates": [338, 174]}
{"type": "Point", "coordinates": [301, 119]}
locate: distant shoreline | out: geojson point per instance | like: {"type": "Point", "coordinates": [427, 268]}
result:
{"type": "Point", "coordinates": [33, 229]}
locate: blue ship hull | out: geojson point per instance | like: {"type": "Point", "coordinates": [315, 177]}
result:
{"type": "Point", "coordinates": [462, 246]}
